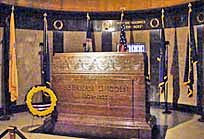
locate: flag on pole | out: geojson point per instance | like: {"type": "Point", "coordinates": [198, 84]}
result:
{"type": "Point", "coordinates": [131, 33]}
{"type": "Point", "coordinates": [123, 40]}
{"type": "Point", "coordinates": [46, 54]}
{"type": "Point", "coordinates": [191, 55]}
{"type": "Point", "coordinates": [13, 77]}
{"type": "Point", "coordinates": [175, 70]}
{"type": "Point", "coordinates": [88, 46]}
{"type": "Point", "coordinates": [163, 59]}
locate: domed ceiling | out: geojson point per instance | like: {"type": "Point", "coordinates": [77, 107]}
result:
{"type": "Point", "coordinates": [96, 5]}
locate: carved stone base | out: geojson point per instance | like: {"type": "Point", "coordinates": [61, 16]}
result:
{"type": "Point", "coordinates": [98, 126]}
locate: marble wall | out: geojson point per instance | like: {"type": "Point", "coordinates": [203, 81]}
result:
{"type": "Point", "coordinates": [28, 60]}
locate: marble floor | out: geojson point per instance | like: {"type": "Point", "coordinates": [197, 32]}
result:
{"type": "Point", "coordinates": [177, 125]}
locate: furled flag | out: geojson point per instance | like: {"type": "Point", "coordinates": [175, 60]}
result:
{"type": "Point", "coordinates": [88, 46]}
{"type": "Point", "coordinates": [46, 55]}
{"type": "Point", "coordinates": [13, 77]}
{"type": "Point", "coordinates": [191, 55]}
{"type": "Point", "coordinates": [163, 59]}
{"type": "Point", "coordinates": [123, 40]}
{"type": "Point", "coordinates": [175, 70]}
{"type": "Point", "coordinates": [131, 33]}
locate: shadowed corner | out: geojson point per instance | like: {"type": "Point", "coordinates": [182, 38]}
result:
{"type": "Point", "coordinates": [159, 132]}
{"type": "Point", "coordinates": [166, 122]}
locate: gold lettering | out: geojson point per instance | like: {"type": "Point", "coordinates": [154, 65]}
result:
{"type": "Point", "coordinates": [127, 26]}
{"type": "Point", "coordinates": [137, 26]}
{"type": "Point", "coordinates": [133, 22]}
{"type": "Point", "coordinates": [139, 22]}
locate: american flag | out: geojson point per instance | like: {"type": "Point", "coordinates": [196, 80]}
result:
{"type": "Point", "coordinates": [123, 40]}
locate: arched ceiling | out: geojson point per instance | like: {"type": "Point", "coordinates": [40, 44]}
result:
{"type": "Point", "coordinates": [95, 5]}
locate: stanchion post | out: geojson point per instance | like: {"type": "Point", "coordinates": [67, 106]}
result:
{"type": "Point", "coordinates": [12, 134]}
{"type": "Point", "coordinates": [13, 131]}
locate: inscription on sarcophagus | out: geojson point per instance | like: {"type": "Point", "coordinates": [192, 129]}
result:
{"type": "Point", "coordinates": [97, 64]}
{"type": "Point", "coordinates": [101, 94]}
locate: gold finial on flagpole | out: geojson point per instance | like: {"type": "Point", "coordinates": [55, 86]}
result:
{"type": "Point", "coordinates": [189, 20]}
{"type": "Point", "coordinates": [122, 14]}
{"type": "Point", "coordinates": [12, 8]}
{"type": "Point", "coordinates": [162, 18]}
{"type": "Point", "coordinates": [45, 14]}
{"type": "Point", "coordinates": [87, 16]}
{"type": "Point", "coordinates": [189, 6]}
{"type": "Point", "coordinates": [45, 18]}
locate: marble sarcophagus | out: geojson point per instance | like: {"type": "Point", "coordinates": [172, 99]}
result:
{"type": "Point", "coordinates": [100, 94]}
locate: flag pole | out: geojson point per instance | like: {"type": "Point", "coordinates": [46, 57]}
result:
{"type": "Point", "coordinates": [5, 104]}
{"type": "Point", "coordinates": [5, 48]}
{"type": "Point", "coordinates": [44, 50]}
{"type": "Point", "coordinates": [166, 111]}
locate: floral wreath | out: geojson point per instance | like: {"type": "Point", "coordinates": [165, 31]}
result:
{"type": "Point", "coordinates": [42, 89]}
